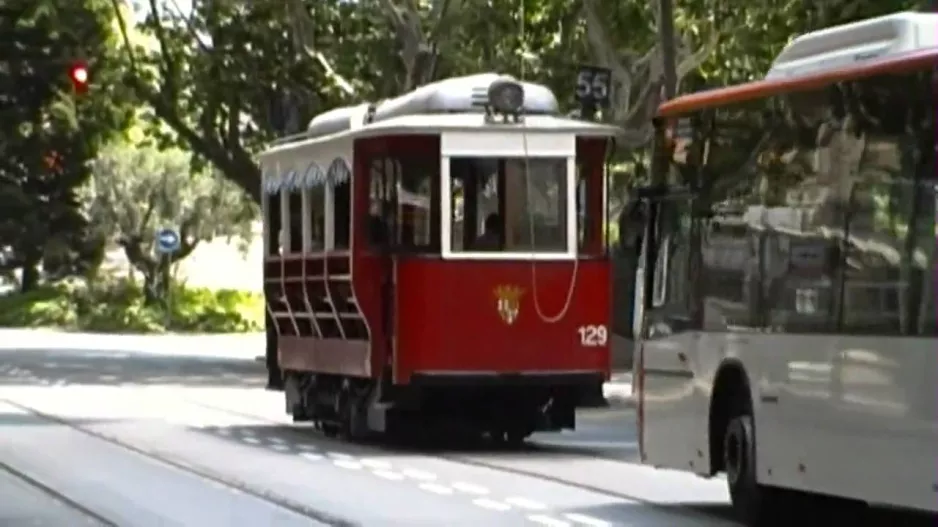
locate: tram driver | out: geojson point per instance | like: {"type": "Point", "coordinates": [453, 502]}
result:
{"type": "Point", "coordinates": [491, 239]}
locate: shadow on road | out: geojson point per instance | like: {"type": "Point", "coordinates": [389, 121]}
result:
{"type": "Point", "coordinates": [8, 419]}
{"type": "Point", "coordinates": [813, 513]}
{"type": "Point", "coordinates": [658, 515]}
{"type": "Point", "coordinates": [64, 367]}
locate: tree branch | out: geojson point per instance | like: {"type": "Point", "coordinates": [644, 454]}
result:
{"type": "Point", "coordinates": [170, 68]}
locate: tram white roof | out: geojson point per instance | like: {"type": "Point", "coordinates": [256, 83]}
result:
{"type": "Point", "coordinates": [455, 95]}
{"type": "Point", "coordinates": [457, 122]}
{"type": "Point", "coordinates": [858, 42]}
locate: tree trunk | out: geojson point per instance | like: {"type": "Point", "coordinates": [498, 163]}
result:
{"type": "Point", "coordinates": [151, 295]}
{"type": "Point", "coordinates": [30, 273]}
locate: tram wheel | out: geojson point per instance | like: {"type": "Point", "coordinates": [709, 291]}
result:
{"type": "Point", "coordinates": [516, 438]}
{"type": "Point", "coordinates": [511, 438]}
{"type": "Point", "coordinates": [331, 430]}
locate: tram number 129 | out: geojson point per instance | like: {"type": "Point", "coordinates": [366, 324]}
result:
{"type": "Point", "coordinates": [593, 336]}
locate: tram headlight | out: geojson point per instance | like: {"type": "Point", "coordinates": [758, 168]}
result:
{"type": "Point", "coordinates": [506, 96]}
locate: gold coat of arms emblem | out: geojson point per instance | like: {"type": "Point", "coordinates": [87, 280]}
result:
{"type": "Point", "coordinates": [508, 302]}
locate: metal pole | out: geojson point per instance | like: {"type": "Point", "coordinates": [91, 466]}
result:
{"type": "Point", "coordinates": [169, 289]}
{"type": "Point", "coordinates": [668, 52]}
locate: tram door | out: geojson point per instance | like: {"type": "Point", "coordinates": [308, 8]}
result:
{"type": "Point", "coordinates": [404, 214]}
{"type": "Point", "coordinates": [382, 220]}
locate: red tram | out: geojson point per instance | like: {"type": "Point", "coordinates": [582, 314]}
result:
{"type": "Point", "coordinates": [439, 255]}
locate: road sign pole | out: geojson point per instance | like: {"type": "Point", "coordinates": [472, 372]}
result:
{"type": "Point", "coordinates": [168, 242]}
{"type": "Point", "coordinates": [169, 289]}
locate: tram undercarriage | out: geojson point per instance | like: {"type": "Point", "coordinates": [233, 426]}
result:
{"type": "Point", "coordinates": [506, 411]}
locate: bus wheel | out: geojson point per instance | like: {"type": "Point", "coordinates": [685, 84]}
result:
{"type": "Point", "coordinates": [756, 505]}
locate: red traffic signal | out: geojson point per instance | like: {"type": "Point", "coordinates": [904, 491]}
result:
{"type": "Point", "coordinates": [78, 74]}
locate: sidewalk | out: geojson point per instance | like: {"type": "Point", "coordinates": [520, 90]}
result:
{"type": "Point", "coordinates": [246, 346]}
{"type": "Point", "coordinates": [234, 346]}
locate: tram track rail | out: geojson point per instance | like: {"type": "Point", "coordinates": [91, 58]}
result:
{"type": "Point", "coordinates": [56, 496]}
{"type": "Point", "coordinates": [201, 472]}
{"type": "Point", "coordinates": [306, 433]}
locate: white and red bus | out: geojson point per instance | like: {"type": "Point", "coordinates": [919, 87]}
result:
{"type": "Point", "coordinates": [786, 316]}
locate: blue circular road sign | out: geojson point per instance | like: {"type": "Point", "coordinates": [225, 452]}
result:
{"type": "Point", "coordinates": [167, 241]}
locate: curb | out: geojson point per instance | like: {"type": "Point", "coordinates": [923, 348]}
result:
{"type": "Point", "coordinates": [620, 401]}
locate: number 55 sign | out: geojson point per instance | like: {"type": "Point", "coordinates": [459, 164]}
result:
{"type": "Point", "coordinates": [593, 85]}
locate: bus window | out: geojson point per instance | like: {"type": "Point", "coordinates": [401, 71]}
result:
{"type": "Point", "coordinates": [822, 210]}
{"type": "Point", "coordinates": [889, 215]}
{"type": "Point", "coordinates": [509, 205]}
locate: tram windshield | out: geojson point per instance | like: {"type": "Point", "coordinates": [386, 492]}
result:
{"type": "Point", "coordinates": [510, 205]}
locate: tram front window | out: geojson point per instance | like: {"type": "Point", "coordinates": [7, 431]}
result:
{"type": "Point", "coordinates": [509, 205]}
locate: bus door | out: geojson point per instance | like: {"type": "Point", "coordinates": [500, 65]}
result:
{"type": "Point", "coordinates": [666, 324]}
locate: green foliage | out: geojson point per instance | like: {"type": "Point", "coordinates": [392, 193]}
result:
{"type": "Point", "coordinates": [119, 306]}
{"type": "Point", "coordinates": [48, 133]}
{"type": "Point", "coordinates": [219, 76]}
{"type": "Point", "coordinates": [137, 189]}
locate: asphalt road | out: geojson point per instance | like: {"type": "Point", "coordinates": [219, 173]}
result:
{"type": "Point", "coordinates": [179, 437]}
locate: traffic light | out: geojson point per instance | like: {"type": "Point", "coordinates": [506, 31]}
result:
{"type": "Point", "coordinates": [78, 74]}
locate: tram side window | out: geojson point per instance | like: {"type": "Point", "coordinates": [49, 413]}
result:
{"type": "Point", "coordinates": [294, 235]}
{"type": "Point", "coordinates": [316, 203]}
{"type": "Point", "coordinates": [342, 212]}
{"type": "Point", "coordinates": [272, 219]}
{"type": "Point", "coordinates": [417, 210]}
{"type": "Point", "coordinates": [404, 211]}
{"type": "Point", "coordinates": [381, 213]}
{"type": "Point", "coordinates": [508, 205]}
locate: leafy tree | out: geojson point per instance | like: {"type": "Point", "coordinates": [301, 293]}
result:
{"type": "Point", "coordinates": [136, 190]}
{"type": "Point", "coordinates": [220, 75]}
{"type": "Point", "coordinates": [48, 133]}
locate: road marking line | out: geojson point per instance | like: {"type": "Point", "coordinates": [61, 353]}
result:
{"type": "Point", "coordinates": [280, 447]}
{"type": "Point", "coordinates": [376, 464]}
{"type": "Point", "coordinates": [436, 488]}
{"type": "Point", "coordinates": [307, 448]}
{"type": "Point", "coordinates": [387, 474]}
{"type": "Point", "coordinates": [340, 456]}
{"type": "Point", "coordinates": [420, 475]}
{"type": "Point", "coordinates": [311, 456]}
{"type": "Point", "coordinates": [583, 519]}
{"type": "Point", "coordinates": [277, 440]}
{"type": "Point", "coordinates": [543, 519]}
{"type": "Point", "coordinates": [524, 503]}
{"type": "Point", "coordinates": [486, 503]}
{"type": "Point", "coordinates": [470, 488]}
{"type": "Point", "coordinates": [345, 463]}
{"type": "Point", "coordinates": [251, 439]}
